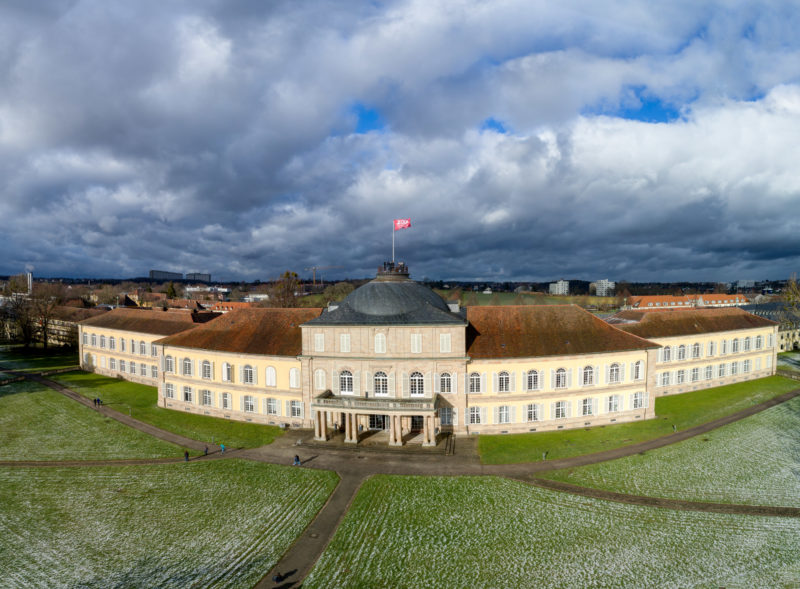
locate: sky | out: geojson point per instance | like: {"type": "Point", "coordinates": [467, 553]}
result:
{"type": "Point", "coordinates": [526, 141]}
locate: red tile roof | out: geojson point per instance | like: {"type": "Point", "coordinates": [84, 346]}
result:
{"type": "Point", "coordinates": [267, 331]}
{"type": "Point", "coordinates": [660, 301]}
{"type": "Point", "coordinates": [75, 314]}
{"type": "Point", "coordinates": [687, 321]}
{"type": "Point", "coordinates": [232, 305]}
{"type": "Point", "coordinates": [152, 321]}
{"type": "Point", "coordinates": [543, 330]}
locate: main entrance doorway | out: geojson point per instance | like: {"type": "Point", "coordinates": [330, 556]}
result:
{"type": "Point", "coordinates": [416, 423]}
{"type": "Point", "coordinates": [378, 422]}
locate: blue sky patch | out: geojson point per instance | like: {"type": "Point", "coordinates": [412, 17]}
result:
{"type": "Point", "coordinates": [639, 106]}
{"type": "Point", "coordinates": [369, 119]}
{"type": "Point", "coordinates": [492, 124]}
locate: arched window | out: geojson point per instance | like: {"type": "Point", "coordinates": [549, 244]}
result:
{"type": "Point", "coordinates": [588, 375]}
{"type": "Point", "coordinates": [380, 343]}
{"type": "Point", "coordinates": [561, 378]}
{"type": "Point", "coordinates": [247, 374]}
{"type": "Point", "coordinates": [533, 380]}
{"type": "Point", "coordinates": [637, 370]}
{"type": "Point", "coordinates": [187, 367]}
{"type": "Point", "coordinates": [346, 381]}
{"type": "Point", "coordinates": [503, 382]}
{"type": "Point", "coordinates": [735, 347]}
{"type": "Point", "coordinates": [667, 353]}
{"type": "Point", "coordinates": [445, 383]}
{"type": "Point", "coordinates": [272, 377]}
{"type": "Point", "coordinates": [381, 383]}
{"type": "Point", "coordinates": [417, 384]}
{"type": "Point", "coordinates": [613, 372]}
{"type": "Point", "coordinates": [474, 382]}
{"type": "Point", "coordinates": [696, 350]}
{"type": "Point", "coordinates": [319, 379]}
{"type": "Point", "coordinates": [681, 352]}
{"type": "Point", "coordinates": [206, 368]}
{"type": "Point", "coordinates": [169, 363]}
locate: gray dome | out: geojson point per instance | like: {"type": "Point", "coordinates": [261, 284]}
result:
{"type": "Point", "coordinates": [393, 297]}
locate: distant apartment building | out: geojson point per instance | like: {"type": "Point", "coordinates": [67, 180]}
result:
{"type": "Point", "coordinates": [559, 288]}
{"type": "Point", "coordinates": [604, 288]}
{"type": "Point", "coordinates": [162, 275]}
{"type": "Point", "coordinates": [198, 277]}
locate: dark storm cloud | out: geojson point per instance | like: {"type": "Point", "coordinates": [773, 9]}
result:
{"type": "Point", "coordinates": [222, 137]}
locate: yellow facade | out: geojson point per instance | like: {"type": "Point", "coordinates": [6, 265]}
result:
{"type": "Point", "coordinates": [124, 354]}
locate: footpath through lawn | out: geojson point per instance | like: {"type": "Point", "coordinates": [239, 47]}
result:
{"type": "Point", "coordinates": [683, 411]}
{"type": "Point", "coordinates": [140, 401]}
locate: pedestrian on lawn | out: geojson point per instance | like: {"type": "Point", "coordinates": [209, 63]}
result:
{"type": "Point", "coordinates": [296, 460]}
{"type": "Point", "coordinates": [186, 456]}
{"type": "Point", "coordinates": [205, 452]}
{"type": "Point", "coordinates": [222, 448]}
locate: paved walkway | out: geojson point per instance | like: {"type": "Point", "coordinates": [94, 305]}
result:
{"type": "Point", "coordinates": [354, 466]}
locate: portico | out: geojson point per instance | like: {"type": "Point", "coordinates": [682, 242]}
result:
{"type": "Point", "coordinates": [349, 413]}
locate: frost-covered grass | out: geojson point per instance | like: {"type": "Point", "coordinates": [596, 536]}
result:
{"type": "Point", "coordinates": [684, 411]}
{"type": "Point", "coordinates": [141, 401]}
{"type": "Point", "coordinates": [37, 423]}
{"type": "Point", "coordinates": [489, 532]}
{"type": "Point", "coordinates": [218, 523]}
{"type": "Point", "coordinates": [751, 461]}
{"type": "Point", "coordinates": [789, 361]}
{"type": "Point", "coordinates": [36, 358]}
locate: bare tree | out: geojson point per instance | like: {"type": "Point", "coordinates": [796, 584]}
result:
{"type": "Point", "coordinates": [24, 317]}
{"type": "Point", "coordinates": [45, 298]}
{"type": "Point", "coordinates": [283, 291]}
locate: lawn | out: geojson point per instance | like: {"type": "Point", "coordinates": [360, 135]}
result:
{"type": "Point", "coordinates": [491, 532]}
{"type": "Point", "coordinates": [789, 361]}
{"type": "Point", "coordinates": [684, 411]}
{"type": "Point", "coordinates": [141, 402]}
{"type": "Point", "coordinates": [36, 358]}
{"type": "Point", "coordinates": [751, 461]}
{"type": "Point", "coordinates": [37, 423]}
{"type": "Point", "coordinates": [221, 523]}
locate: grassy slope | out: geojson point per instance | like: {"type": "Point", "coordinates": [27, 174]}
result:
{"type": "Point", "coordinates": [684, 411]}
{"type": "Point", "coordinates": [141, 401]}
{"type": "Point", "coordinates": [207, 523]}
{"type": "Point", "coordinates": [750, 461]}
{"type": "Point", "coordinates": [36, 359]}
{"type": "Point", "coordinates": [36, 423]}
{"type": "Point", "coordinates": [489, 532]}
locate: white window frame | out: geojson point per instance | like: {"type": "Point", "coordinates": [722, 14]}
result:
{"type": "Point", "coordinates": [346, 382]}
{"type": "Point", "coordinates": [186, 367]}
{"type": "Point", "coordinates": [445, 416]}
{"type": "Point", "coordinates": [294, 378]}
{"type": "Point", "coordinates": [416, 384]}
{"type": "Point", "coordinates": [504, 414]}
{"type": "Point", "coordinates": [533, 380]}
{"type": "Point", "coordinates": [445, 383]}
{"type": "Point", "coordinates": [475, 382]}
{"type": "Point", "coordinates": [587, 407]}
{"type": "Point", "coordinates": [614, 373]}
{"type": "Point", "coordinates": [227, 372]}
{"type": "Point", "coordinates": [612, 404]}
{"type": "Point", "coordinates": [474, 416]}
{"type": "Point", "coordinates": [249, 404]}
{"type": "Point", "coordinates": [533, 411]}
{"type": "Point", "coordinates": [319, 379]}
{"type": "Point", "coordinates": [504, 382]}
{"type": "Point", "coordinates": [169, 390]}
{"type": "Point", "coordinates": [380, 343]}
{"type": "Point", "coordinates": [248, 374]}
{"type": "Point", "coordinates": [561, 379]}
{"type": "Point", "coordinates": [560, 410]}
{"type": "Point", "coordinates": [637, 370]}
{"type": "Point", "coordinates": [169, 364]}
{"type": "Point", "coordinates": [205, 397]}
{"type": "Point", "coordinates": [319, 342]}
{"type": "Point", "coordinates": [273, 406]}
{"type": "Point", "coordinates": [296, 409]}
{"type": "Point", "coordinates": [270, 377]}
{"type": "Point", "coordinates": [225, 398]}
{"type": "Point", "coordinates": [188, 394]}
{"type": "Point", "coordinates": [380, 382]}
{"type": "Point", "coordinates": [588, 376]}
{"type": "Point", "coordinates": [206, 369]}
{"type": "Point", "coordinates": [638, 400]}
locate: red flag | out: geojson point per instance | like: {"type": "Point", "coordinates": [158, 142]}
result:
{"type": "Point", "coordinates": [401, 224]}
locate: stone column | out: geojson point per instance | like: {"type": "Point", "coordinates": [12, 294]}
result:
{"type": "Point", "coordinates": [394, 431]}
{"type": "Point", "coordinates": [351, 431]}
{"type": "Point", "coordinates": [427, 432]}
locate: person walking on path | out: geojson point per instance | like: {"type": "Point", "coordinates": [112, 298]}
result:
{"type": "Point", "coordinates": [296, 460]}
{"type": "Point", "coordinates": [186, 456]}
{"type": "Point", "coordinates": [222, 448]}
{"type": "Point", "coordinates": [205, 451]}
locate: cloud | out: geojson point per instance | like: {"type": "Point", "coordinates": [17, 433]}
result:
{"type": "Point", "coordinates": [526, 141]}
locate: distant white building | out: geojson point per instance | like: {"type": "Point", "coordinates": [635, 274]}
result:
{"type": "Point", "coordinates": [605, 288]}
{"type": "Point", "coordinates": [559, 288]}
{"type": "Point", "coordinates": [255, 297]}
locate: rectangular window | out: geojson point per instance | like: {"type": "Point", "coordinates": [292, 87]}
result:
{"type": "Point", "coordinates": [586, 407]}
{"type": "Point", "coordinates": [227, 372]}
{"type": "Point", "coordinates": [133, 367]}
{"type": "Point", "coordinates": [681, 376]}
{"type": "Point", "coordinates": [746, 366]}
{"type": "Point", "coordinates": [503, 414]}
{"type": "Point", "coordinates": [474, 415]}
{"type": "Point", "coordinates": [122, 366]}
{"type": "Point", "coordinates": [695, 374]}
{"type": "Point", "coordinates": [721, 372]}
{"type": "Point", "coordinates": [638, 400]}
{"type": "Point", "coordinates": [102, 342]}
{"type": "Point", "coordinates": [297, 408]}
{"type": "Point", "coordinates": [712, 348]}
{"type": "Point", "coordinates": [94, 339]}
{"type": "Point", "coordinates": [734, 368]}
{"type": "Point", "coordinates": [613, 404]}
{"type": "Point", "coordinates": [226, 400]}
{"type": "Point", "coordinates": [664, 379]}
{"type": "Point", "coordinates": [112, 363]}
{"type": "Point", "coordinates": [153, 350]}
{"type": "Point", "coordinates": [445, 415]}
{"type": "Point", "coordinates": [709, 372]}
{"type": "Point", "coordinates": [380, 343]}
{"type": "Point", "coordinates": [344, 342]}
{"type": "Point", "coordinates": [416, 343]}
{"type": "Point", "coordinates": [561, 410]}
{"type": "Point", "coordinates": [724, 347]}
{"type": "Point", "coordinates": [533, 412]}
{"type": "Point", "coordinates": [112, 343]}
{"type": "Point", "coordinates": [319, 342]}
{"type": "Point", "coordinates": [187, 394]}
{"type": "Point", "coordinates": [142, 348]}
{"type": "Point", "coordinates": [122, 344]}
{"type": "Point", "coordinates": [169, 390]}
{"type": "Point", "coordinates": [294, 378]}
{"type": "Point", "coordinates": [206, 397]}
{"type": "Point", "coordinates": [154, 371]}
{"type": "Point", "coordinates": [444, 343]}
{"type": "Point", "coordinates": [272, 406]}
{"type": "Point", "coordinates": [85, 338]}
{"type": "Point", "coordinates": [249, 404]}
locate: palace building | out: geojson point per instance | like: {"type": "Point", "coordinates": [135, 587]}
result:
{"type": "Point", "coordinates": [393, 356]}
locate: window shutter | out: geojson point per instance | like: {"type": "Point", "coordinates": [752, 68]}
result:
{"type": "Point", "coordinates": [454, 382]}
{"type": "Point", "coordinates": [495, 383]}
{"type": "Point", "coordinates": [483, 415]}
{"type": "Point", "coordinates": [596, 375]}
{"type": "Point", "coordinates": [405, 384]}
{"type": "Point", "coordinates": [552, 378]}
{"type": "Point", "coordinates": [302, 409]}
{"type": "Point", "coordinates": [569, 378]}
{"type": "Point", "coordinates": [213, 370]}
{"type": "Point", "coordinates": [594, 406]}
{"type": "Point", "coordinates": [426, 386]}
{"type": "Point", "coordinates": [241, 374]}
{"type": "Point", "coordinates": [513, 415]}
{"type": "Point", "coordinates": [368, 382]}
{"type": "Point", "coordinates": [496, 415]}
{"type": "Point", "coordinates": [569, 408]}
{"type": "Point", "coordinates": [466, 416]}
{"type": "Point", "coordinates": [357, 382]}
{"type": "Point", "coordinates": [513, 376]}
{"type": "Point", "coordinates": [335, 382]}
{"type": "Point", "coordinates": [288, 411]}
{"type": "Point", "coordinates": [646, 400]}
{"type": "Point", "coordinates": [392, 389]}
{"type": "Point", "coordinates": [436, 385]}
{"type": "Point", "coordinates": [241, 402]}
{"type": "Point", "coordinates": [483, 386]}
{"type": "Point", "coordinates": [194, 367]}
{"type": "Point", "coordinates": [660, 354]}
{"type": "Point", "coordinates": [455, 416]}
{"type": "Point", "coordinates": [524, 376]}
{"type": "Point", "coordinates": [255, 374]}
{"type": "Point", "coordinates": [552, 410]}
{"type": "Point", "coordinates": [622, 372]}
{"type": "Point", "coordinates": [466, 386]}
{"type": "Point", "coordinates": [608, 374]}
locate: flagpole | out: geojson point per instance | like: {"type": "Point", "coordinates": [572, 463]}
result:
{"type": "Point", "coordinates": [393, 232]}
